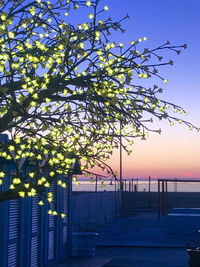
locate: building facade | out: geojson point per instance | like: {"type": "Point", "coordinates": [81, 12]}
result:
{"type": "Point", "coordinates": [29, 236]}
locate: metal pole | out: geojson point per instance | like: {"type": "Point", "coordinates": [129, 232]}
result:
{"type": "Point", "coordinates": [115, 199]}
{"type": "Point", "coordinates": [158, 198]}
{"type": "Point", "coordinates": [96, 184]}
{"type": "Point", "coordinates": [149, 184]}
{"type": "Point", "coordinates": [163, 196]}
{"type": "Point", "coordinates": [166, 200]}
{"type": "Point", "coordinates": [120, 168]}
{"type": "Point", "coordinates": [149, 191]}
{"type": "Point", "coordinates": [120, 158]}
{"type": "Point", "coordinates": [175, 184]}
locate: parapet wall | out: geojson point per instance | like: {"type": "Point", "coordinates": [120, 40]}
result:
{"type": "Point", "coordinates": [145, 200]}
{"type": "Point", "coordinates": [92, 208]}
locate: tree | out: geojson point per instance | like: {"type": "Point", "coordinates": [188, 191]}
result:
{"type": "Point", "coordinates": [65, 89]}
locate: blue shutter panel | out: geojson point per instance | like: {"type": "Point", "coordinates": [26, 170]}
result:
{"type": "Point", "coordinates": [2, 218]}
{"type": "Point", "coordinates": [52, 228]}
{"type": "Point", "coordinates": [65, 219]}
{"type": "Point", "coordinates": [29, 236]}
{"type": "Point", "coordinates": [13, 232]}
{"type": "Point", "coordinates": [35, 232]}
{"type": "Point", "coordinates": [66, 238]}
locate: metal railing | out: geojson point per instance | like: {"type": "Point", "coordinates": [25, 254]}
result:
{"type": "Point", "coordinates": [168, 198]}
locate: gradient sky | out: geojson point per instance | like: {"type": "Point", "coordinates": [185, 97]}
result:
{"type": "Point", "coordinates": [176, 152]}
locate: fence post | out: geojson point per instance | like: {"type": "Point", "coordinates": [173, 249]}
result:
{"type": "Point", "coordinates": [96, 184]}
{"type": "Point", "coordinates": [159, 198]}
{"type": "Point", "coordinates": [163, 198]}
{"type": "Point", "coordinates": [149, 184]}
{"type": "Point", "coordinates": [115, 199]}
{"type": "Point", "coordinates": [166, 200]}
{"type": "Point", "coordinates": [149, 191]}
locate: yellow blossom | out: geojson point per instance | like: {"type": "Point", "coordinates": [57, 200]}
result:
{"type": "Point", "coordinates": [91, 16]}
{"type": "Point", "coordinates": [22, 194]}
{"type": "Point", "coordinates": [88, 3]}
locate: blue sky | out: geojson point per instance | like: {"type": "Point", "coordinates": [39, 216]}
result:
{"type": "Point", "coordinates": [176, 152]}
{"type": "Point", "coordinates": [178, 22]}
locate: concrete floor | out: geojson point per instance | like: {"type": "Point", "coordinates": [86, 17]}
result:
{"type": "Point", "coordinates": [136, 241]}
{"type": "Point", "coordinates": [144, 257]}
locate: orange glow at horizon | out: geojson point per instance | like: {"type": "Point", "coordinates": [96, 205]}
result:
{"type": "Point", "coordinates": [173, 154]}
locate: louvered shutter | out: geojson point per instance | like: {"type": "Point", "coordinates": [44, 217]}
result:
{"type": "Point", "coordinates": [29, 236]}
{"type": "Point", "coordinates": [59, 226]}
{"type": "Point", "coordinates": [65, 219]}
{"type": "Point", "coordinates": [52, 228]}
{"type": "Point", "coordinates": [13, 233]}
{"type": "Point", "coordinates": [2, 168]}
{"type": "Point", "coordinates": [13, 253]}
{"type": "Point", "coordinates": [35, 232]}
{"type": "Point", "coordinates": [66, 238]}
{"type": "Point", "coordinates": [65, 210]}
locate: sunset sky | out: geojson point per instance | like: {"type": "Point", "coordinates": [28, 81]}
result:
{"type": "Point", "coordinates": [176, 152]}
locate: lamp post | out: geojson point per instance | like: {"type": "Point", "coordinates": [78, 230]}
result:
{"type": "Point", "coordinates": [120, 159]}
{"type": "Point", "coordinates": [120, 170]}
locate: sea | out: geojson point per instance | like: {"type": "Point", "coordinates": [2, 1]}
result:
{"type": "Point", "coordinates": [138, 184]}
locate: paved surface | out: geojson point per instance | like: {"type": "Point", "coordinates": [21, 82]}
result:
{"type": "Point", "coordinates": [138, 241]}
{"type": "Point", "coordinates": [144, 257]}
{"type": "Point", "coordinates": [142, 230]}
{"type": "Point", "coordinates": [96, 261]}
